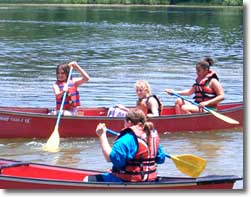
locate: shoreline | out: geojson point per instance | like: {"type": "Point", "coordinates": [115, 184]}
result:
{"type": "Point", "coordinates": [110, 5]}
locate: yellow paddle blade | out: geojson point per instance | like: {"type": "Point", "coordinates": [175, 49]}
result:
{"type": "Point", "coordinates": [190, 165]}
{"type": "Point", "coordinates": [53, 142]}
{"type": "Point", "coordinates": [223, 117]}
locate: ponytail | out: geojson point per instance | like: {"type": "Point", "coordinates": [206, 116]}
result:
{"type": "Point", "coordinates": [148, 127]}
{"type": "Point", "coordinates": [209, 60]}
{"type": "Point", "coordinates": [137, 116]}
{"type": "Point", "coordinates": [205, 63]}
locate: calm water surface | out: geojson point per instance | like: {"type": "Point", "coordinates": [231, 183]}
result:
{"type": "Point", "coordinates": [118, 46]}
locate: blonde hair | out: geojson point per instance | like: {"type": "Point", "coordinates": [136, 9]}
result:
{"type": "Point", "coordinates": [143, 84]}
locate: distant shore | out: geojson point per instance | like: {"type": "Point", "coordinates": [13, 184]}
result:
{"type": "Point", "coordinates": [107, 5]}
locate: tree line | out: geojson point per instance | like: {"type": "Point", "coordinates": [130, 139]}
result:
{"type": "Point", "coordinates": [128, 2]}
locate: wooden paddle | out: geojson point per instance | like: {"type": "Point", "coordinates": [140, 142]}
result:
{"type": "Point", "coordinates": [53, 142]}
{"type": "Point", "coordinates": [216, 114]}
{"type": "Point", "coordinates": [190, 165]}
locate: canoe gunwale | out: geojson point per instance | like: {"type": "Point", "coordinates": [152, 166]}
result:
{"type": "Point", "coordinates": [163, 182]}
{"type": "Point", "coordinates": [37, 123]}
{"type": "Point", "coordinates": [183, 182]}
{"type": "Point", "coordinates": [33, 114]}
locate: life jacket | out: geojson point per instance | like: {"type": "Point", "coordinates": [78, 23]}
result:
{"type": "Point", "coordinates": [202, 90]}
{"type": "Point", "coordinates": [144, 106]}
{"type": "Point", "coordinates": [72, 99]}
{"type": "Point", "coordinates": [149, 111]}
{"type": "Point", "coordinates": [143, 166]}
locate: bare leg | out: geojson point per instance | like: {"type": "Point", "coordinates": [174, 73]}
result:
{"type": "Point", "coordinates": [183, 107]}
{"type": "Point", "coordinates": [67, 113]}
{"type": "Point", "coordinates": [178, 106]}
{"type": "Point", "coordinates": [189, 108]}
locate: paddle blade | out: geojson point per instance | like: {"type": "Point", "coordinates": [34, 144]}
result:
{"type": "Point", "coordinates": [225, 118]}
{"type": "Point", "coordinates": [53, 142]}
{"type": "Point", "coordinates": [190, 165]}
{"type": "Point", "coordinates": [216, 114]}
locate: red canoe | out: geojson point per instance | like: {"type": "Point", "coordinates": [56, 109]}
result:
{"type": "Point", "coordinates": [22, 175]}
{"type": "Point", "coordinates": [35, 122]}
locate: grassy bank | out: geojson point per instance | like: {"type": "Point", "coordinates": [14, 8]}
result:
{"type": "Point", "coordinates": [127, 2]}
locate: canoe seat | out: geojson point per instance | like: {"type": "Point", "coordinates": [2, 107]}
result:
{"type": "Point", "coordinates": [92, 111]}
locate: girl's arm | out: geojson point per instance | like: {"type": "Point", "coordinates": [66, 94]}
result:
{"type": "Point", "coordinates": [217, 87]}
{"type": "Point", "coordinates": [85, 76]}
{"type": "Point", "coordinates": [123, 149]}
{"type": "Point", "coordinates": [122, 107]}
{"type": "Point", "coordinates": [105, 146]}
{"type": "Point", "coordinates": [186, 92]}
{"type": "Point", "coordinates": [58, 93]}
{"type": "Point", "coordinates": [161, 155]}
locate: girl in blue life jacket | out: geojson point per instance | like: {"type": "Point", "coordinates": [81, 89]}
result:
{"type": "Point", "coordinates": [207, 89]}
{"type": "Point", "coordinates": [135, 152]}
{"type": "Point", "coordinates": [72, 100]}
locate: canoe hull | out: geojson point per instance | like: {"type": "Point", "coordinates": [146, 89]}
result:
{"type": "Point", "coordinates": [17, 183]}
{"type": "Point", "coordinates": [35, 123]}
{"type": "Point", "coordinates": [19, 175]}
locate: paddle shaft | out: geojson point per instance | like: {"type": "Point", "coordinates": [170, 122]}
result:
{"type": "Point", "coordinates": [63, 99]}
{"type": "Point", "coordinates": [54, 140]}
{"type": "Point", "coordinates": [194, 103]}
{"type": "Point", "coordinates": [116, 134]}
{"type": "Point", "coordinates": [216, 114]}
{"type": "Point", "coordinates": [112, 132]}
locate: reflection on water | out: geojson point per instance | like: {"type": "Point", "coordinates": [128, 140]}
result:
{"type": "Point", "coordinates": [116, 46]}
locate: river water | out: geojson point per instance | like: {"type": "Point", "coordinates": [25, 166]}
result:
{"type": "Point", "coordinates": [117, 46]}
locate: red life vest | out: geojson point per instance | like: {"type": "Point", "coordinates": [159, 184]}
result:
{"type": "Point", "coordinates": [72, 99]}
{"type": "Point", "coordinates": [202, 90]}
{"type": "Point", "coordinates": [143, 166]}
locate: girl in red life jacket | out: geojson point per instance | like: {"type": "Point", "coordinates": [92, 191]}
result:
{"type": "Point", "coordinates": [148, 103]}
{"type": "Point", "coordinates": [207, 89]}
{"type": "Point", "coordinates": [72, 100]}
{"type": "Point", "coordinates": [135, 152]}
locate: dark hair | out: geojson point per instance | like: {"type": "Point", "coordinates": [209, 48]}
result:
{"type": "Point", "coordinates": [137, 116]}
{"type": "Point", "coordinates": [206, 63]}
{"type": "Point", "coordinates": [65, 67]}
{"type": "Point", "coordinates": [148, 127]}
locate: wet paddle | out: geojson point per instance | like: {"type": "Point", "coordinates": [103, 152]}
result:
{"type": "Point", "coordinates": [53, 142]}
{"type": "Point", "coordinates": [216, 114]}
{"type": "Point", "coordinates": [190, 165]}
